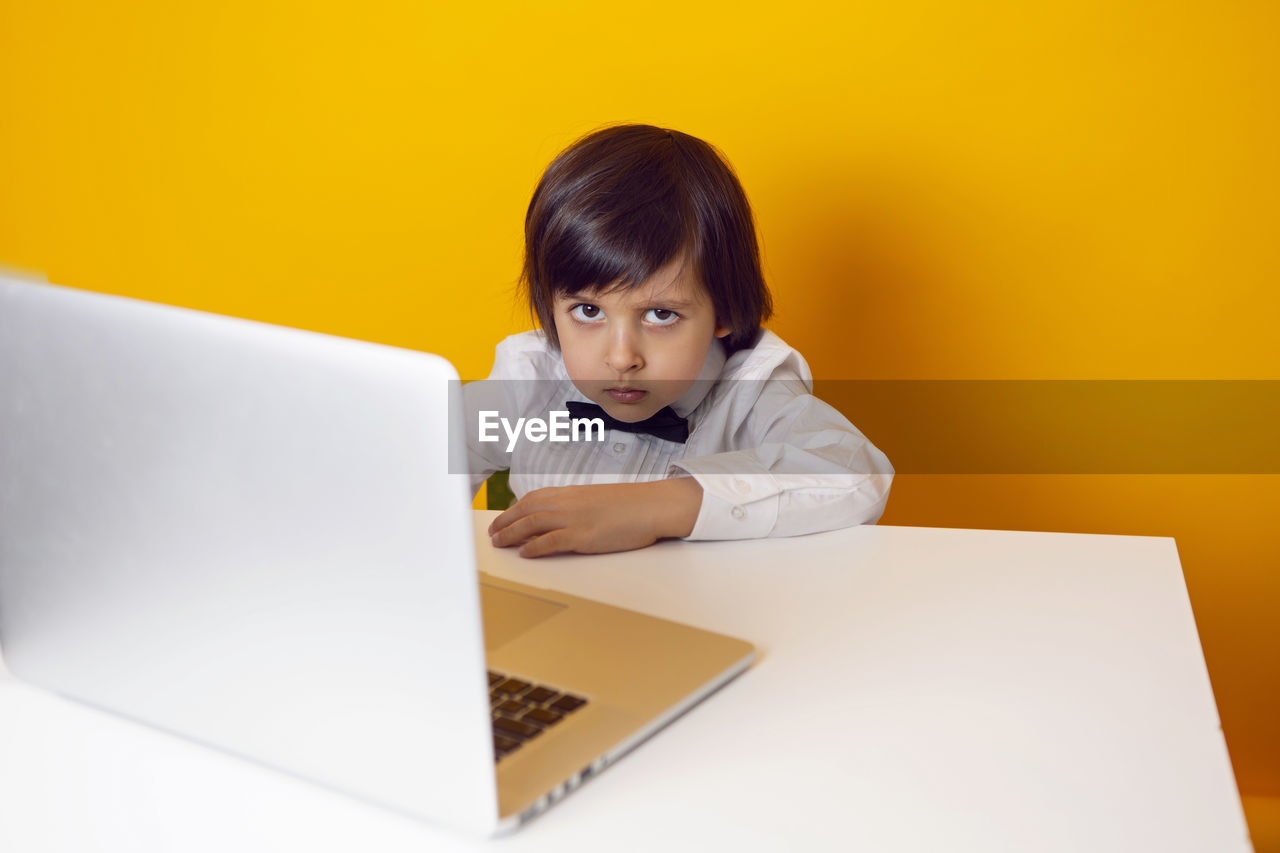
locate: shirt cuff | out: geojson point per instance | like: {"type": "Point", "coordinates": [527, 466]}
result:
{"type": "Point", "coordinates": [734, 506]}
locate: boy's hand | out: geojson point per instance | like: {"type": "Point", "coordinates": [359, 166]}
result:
{"type": "Point", "coordinates": [597, 519]}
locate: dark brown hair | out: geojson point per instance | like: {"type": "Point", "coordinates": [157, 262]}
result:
{"type": "Point", "coordinates": [619, 204]}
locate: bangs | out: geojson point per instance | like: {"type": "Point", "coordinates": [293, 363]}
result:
{"type": "Point", "coordinates": [601, 244]}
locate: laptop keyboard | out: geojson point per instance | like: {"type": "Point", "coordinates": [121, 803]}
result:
{"type": "Point", "coordinates": [522, 710]}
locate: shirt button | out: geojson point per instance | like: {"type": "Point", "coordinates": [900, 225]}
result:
{"type": "Point", "coordinates": [619, 447]}
{"type": "Point", "coordinates": [738, 513]}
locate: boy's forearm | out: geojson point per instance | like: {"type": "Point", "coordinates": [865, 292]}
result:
{"type": "Point", "coordinates": [679, 501]}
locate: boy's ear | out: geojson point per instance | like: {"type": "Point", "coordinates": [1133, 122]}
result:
{"type": "Point", "coordinates": [721, 331]}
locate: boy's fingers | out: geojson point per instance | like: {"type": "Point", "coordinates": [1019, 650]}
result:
{"type": "Point", "coordinates": [511, 534]}
{"type": "Point", "coordinates": [530, 503]}
{"type": "Point", "coordinates": [524, 528]}
{"type": "Point", "coordinates": [516, 512]}
{"type": "Point", "coordinates": [547, 543]}
{"type": "Point", "coordinates": [503, 519]}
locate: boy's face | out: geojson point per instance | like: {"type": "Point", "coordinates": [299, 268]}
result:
{"type": "Point", "coordinates": [634, 351]}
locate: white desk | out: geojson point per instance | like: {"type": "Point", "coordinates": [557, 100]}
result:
{"type": "Point", "coordinates": [918, 690]}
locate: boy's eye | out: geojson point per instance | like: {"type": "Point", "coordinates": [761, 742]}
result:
{"type": "Point", "coordinates": [585, 312]}
{"type": "Point", "coordinates": [660, 316]}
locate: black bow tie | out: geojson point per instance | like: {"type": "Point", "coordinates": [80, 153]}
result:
{"type": "Point", "coordinates": [665, 423]}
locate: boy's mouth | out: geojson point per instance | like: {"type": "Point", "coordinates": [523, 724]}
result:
{"type": "Point", "coordinates": [625, 395]}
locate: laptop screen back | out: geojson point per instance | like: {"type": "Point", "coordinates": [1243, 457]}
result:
{"type": "Point", "coordinates": [247, 535]}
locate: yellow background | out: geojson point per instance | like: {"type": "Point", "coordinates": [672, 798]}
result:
{"type": "Point", "coordinates": [979, 191]}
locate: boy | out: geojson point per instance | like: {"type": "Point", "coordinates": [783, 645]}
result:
{"type": "Point", "coordinates": [642, 267]}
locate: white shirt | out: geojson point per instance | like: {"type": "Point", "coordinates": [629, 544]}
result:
{"type": "Point", "coordinates": [772, 459]}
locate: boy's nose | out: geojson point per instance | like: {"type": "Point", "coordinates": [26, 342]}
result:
{"type": "Point", "coordinates": [623, 355]}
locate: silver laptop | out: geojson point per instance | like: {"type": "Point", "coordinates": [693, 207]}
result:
{"type": "Point", "coordinates": [250, 536]}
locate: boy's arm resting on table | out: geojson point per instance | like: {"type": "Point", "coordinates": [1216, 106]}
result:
{"type": "Point", "coordinates": [813, 471]}
{"type": "Point", "coordinates": [597, 519]}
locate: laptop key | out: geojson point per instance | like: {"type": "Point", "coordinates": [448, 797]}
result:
{"type": "Point", "coordinates": [510, 707]}
{"type": "Point", "coordinates": [568, 703]}
{"type": "Point", "coordinates": [541, 694]}
{"type": "Point", "coordinates": [504, 744]}
{"type": "Point", "coordinates": [542, 717]}
{"type": "Point", "coordinates": [513, 686]}
{"type": "Point", "coordinates": [510, 728]}
{"type": "Point", "coordinates": [494, 678]}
